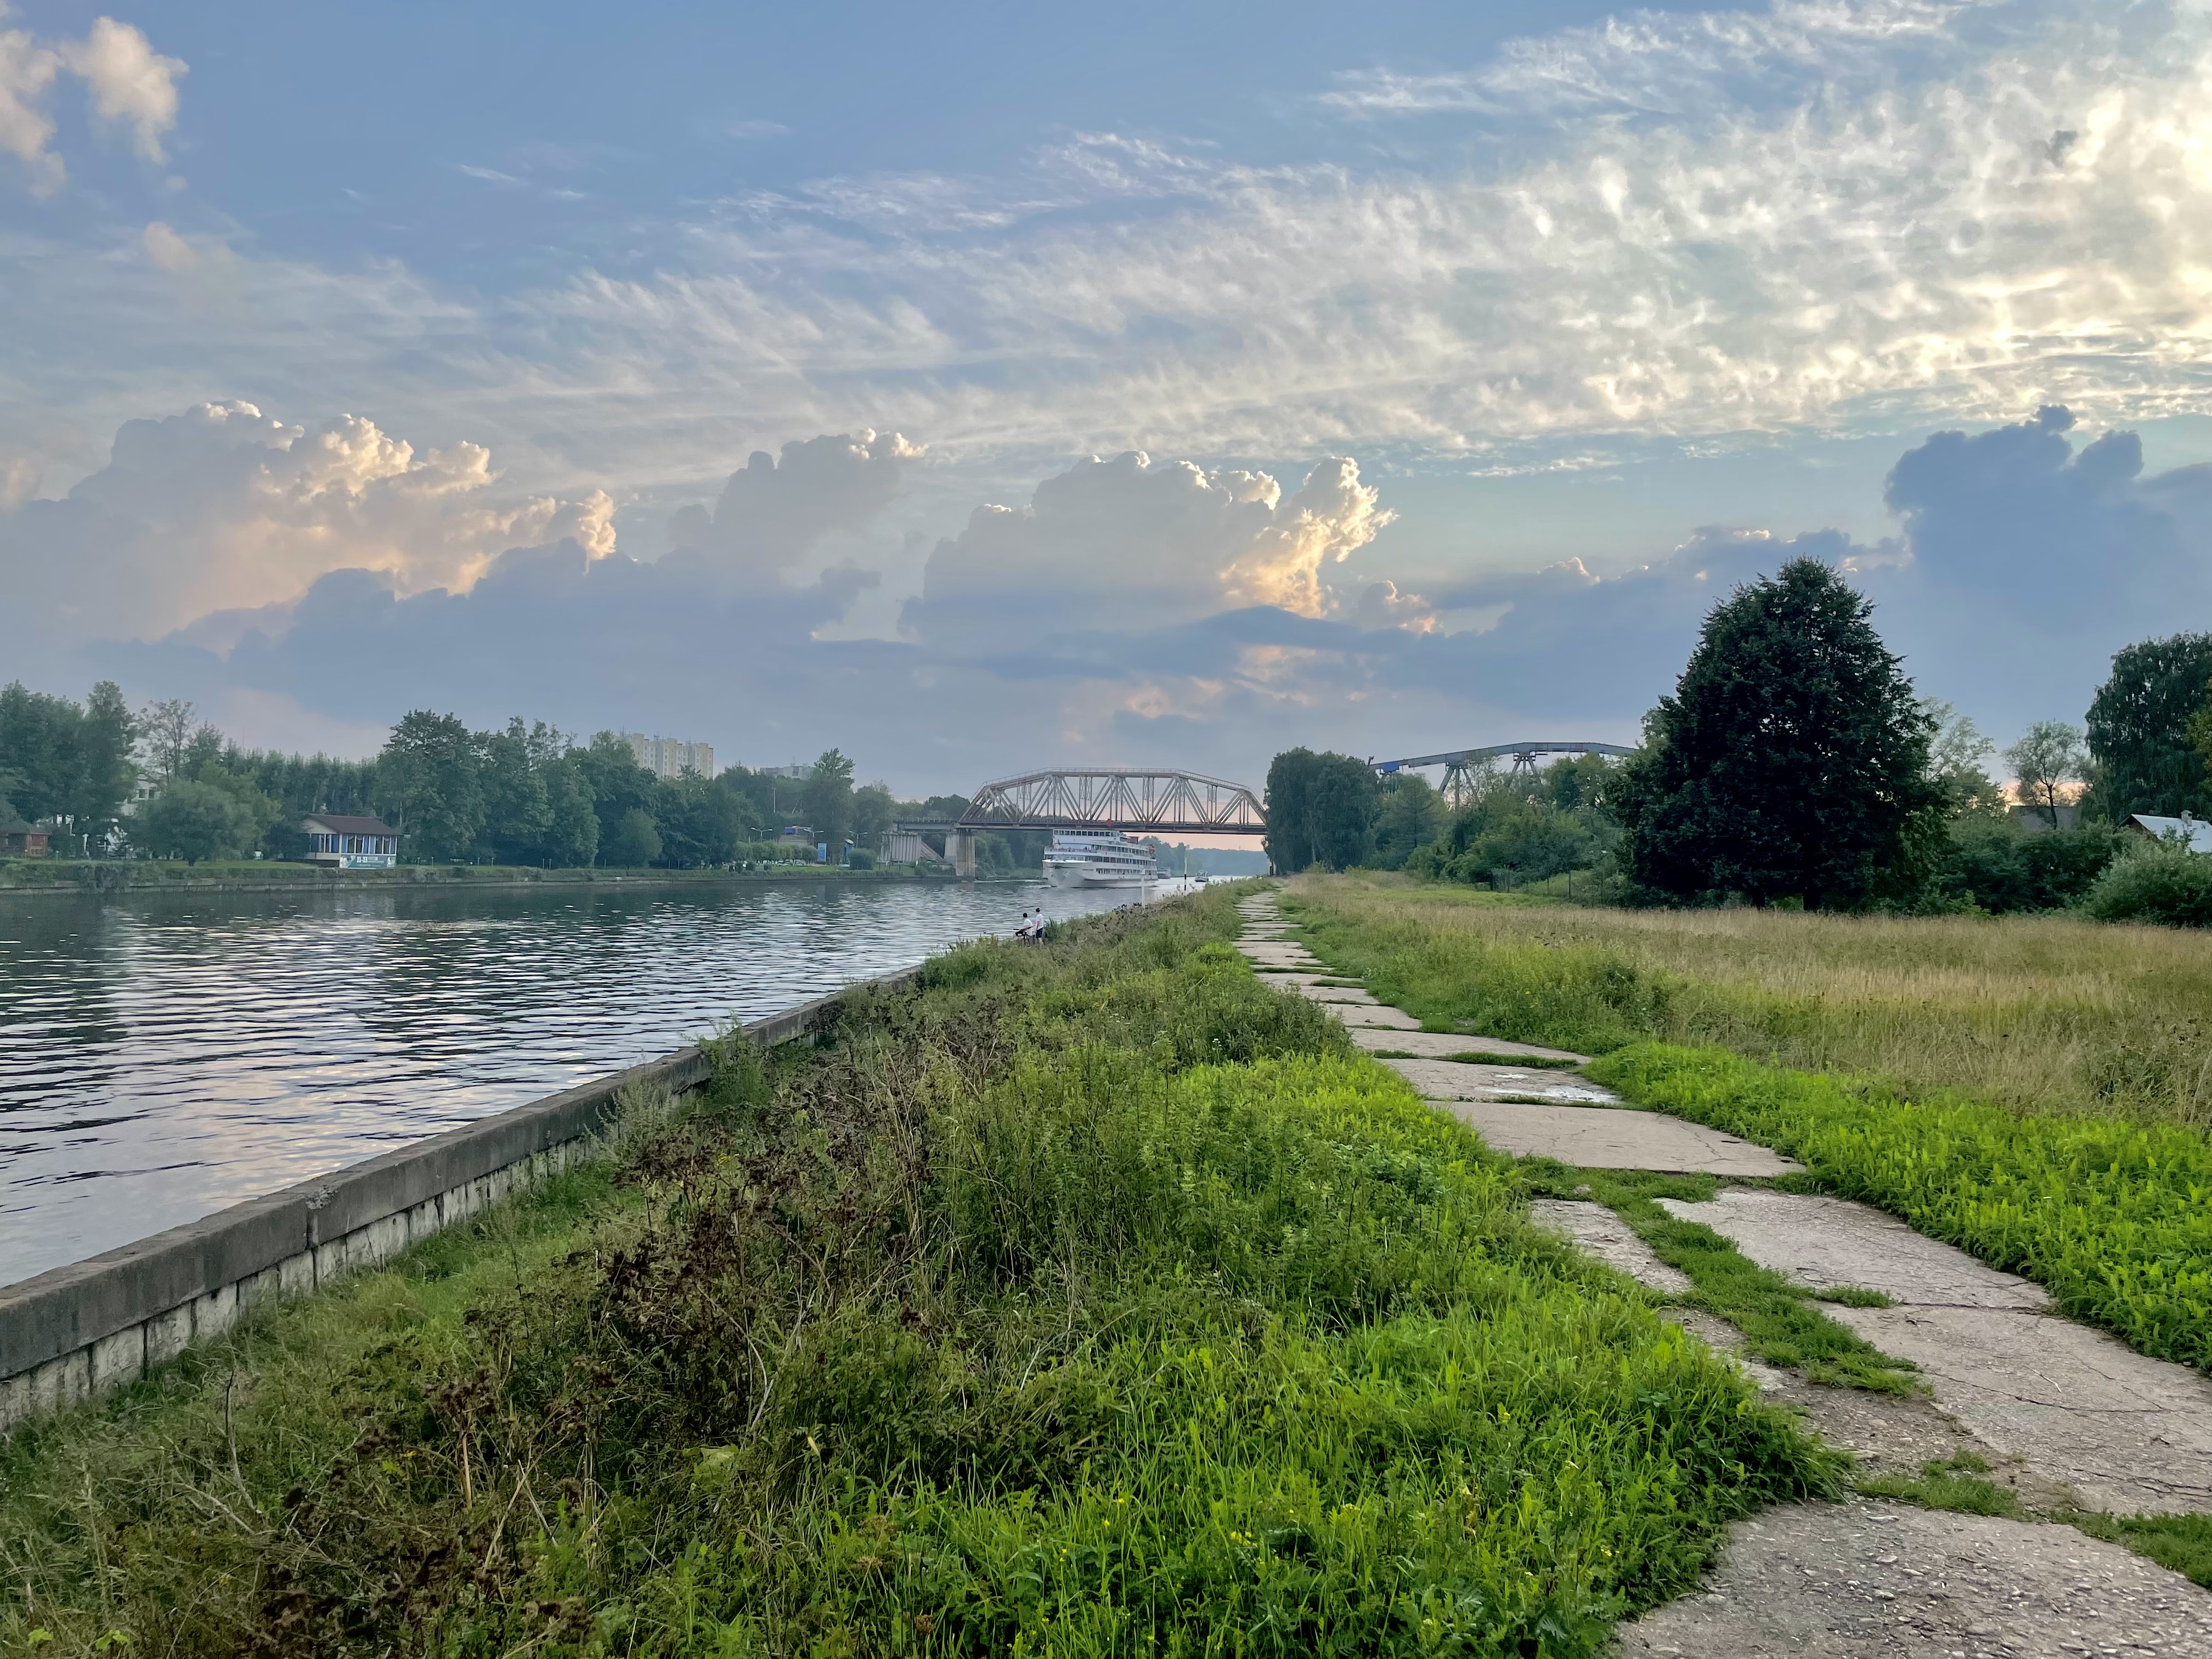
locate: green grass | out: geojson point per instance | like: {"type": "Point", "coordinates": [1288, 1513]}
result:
{"type": "Point", "coordinates": [1777, 1318]}
{"type": "Point", "coordinates": [1086, 1299]}
{"type": "Point", "coordinates": [2113, 1214]}
{"type": "Point", "coordinates": [2114, 1218]}
{"type": "Point", "coordinates": [2183, 1542]}
{"type": "Point", "coordinates": [1946, 1483]}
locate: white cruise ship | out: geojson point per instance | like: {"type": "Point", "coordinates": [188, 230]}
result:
{"type": "Point", "coordinates": [1098, 857]}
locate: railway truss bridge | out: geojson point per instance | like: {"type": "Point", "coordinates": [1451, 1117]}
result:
{"type": "Point", "coordinates": [1150, 801]}
{"type": "Point", "coordinates": [1460, 765]}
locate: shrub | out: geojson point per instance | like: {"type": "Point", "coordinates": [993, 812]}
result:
{"type": "Point", "coordinates": [2153, 883]}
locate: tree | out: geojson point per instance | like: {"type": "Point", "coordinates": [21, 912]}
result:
{"type": "Point", "coordinates": [192, 821]}
{"type": "Point", "coordinates": [165, 730]}
{"type": "Point", "coordinates": [64, 764]}
{"type": "Point", "coordinates": [517, 811]}
{"type": "Point", "coordinates": [830, 801]}
{"type": "Point", "coordinates": [872, 812]}
{"type": "Point", "coordinates": [428, 780]}
{"type": "Point", "coordinates": [618, 784]}
{"type": "Point", "coordinates": [572, 834]}
{"type": "Point", "coordinates": [634, 843]}
{"type": "Point", "coordinates": [104, 772]}
{"type": "Point", "coordinates": [2049, 756]}
{"type": "Point", "coordinates": [1956, 757]}
{"type": "Point", "coordinates": [1409, 815]}
{"type": "Point", "coordinates": [1792, 759]}
{"type": "Point", "coordinates": [2139, 731]}
{"type": "Point", "coordinates": [1320, 810]}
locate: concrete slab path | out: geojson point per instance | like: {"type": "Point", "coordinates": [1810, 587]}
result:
{"type": "Point", "coordinates": [1608, 1238]}
{"type": "Point", "coordinates": [2077, 1408]}
{"type": "Point", "coordinates": [1337, 994]}
{"type": "Point", "coordinates": [1451, 1079]}
{"type": "Point", "coordinates": [1828, 1244]}
{"type": "Point", "coordinates": [1447, 1045]}
{"type": "Point", "coordinates": [1381, 1017]}
{"type": "Point", "coordinates": [1601, 1138]}
{"type": "Point", "coordinates": [1858, 1579]}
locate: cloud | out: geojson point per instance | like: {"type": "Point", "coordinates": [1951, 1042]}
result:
{"type": "Point", "coordinates": [130, 84]}
{"type": "Point", "coordinates": [1126, 543]}
{"type": "Point", "coordinates": [771, 515]}
{"type": "Point", "coordinates": [2041, 533]}
{"type": "Point", "coordinates": [129, 81]}
{"type": "Point", "coordinates": [1121, 616]}
{"type": "Point", "coordinates": [27, 70]}
{"type": "Point", "coordinates": [167, 249]}
{"type": "Point", "coordinates": [222, 506]}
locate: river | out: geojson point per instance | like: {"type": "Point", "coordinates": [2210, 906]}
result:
{"type": "Point", "coordinates": [163, 1057]}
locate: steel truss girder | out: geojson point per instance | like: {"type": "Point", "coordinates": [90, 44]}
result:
{"type": "Point", "coordinates": [1155, 799]}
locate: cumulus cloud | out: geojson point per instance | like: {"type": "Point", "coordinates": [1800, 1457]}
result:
{"type": "Point", "coordinates": [130, 84]}
{"type": "Point", "coordinates": [772, 514]}
{"type": "Point", "coordinates": [223, 506]}
{"type": "Point", "coordinates": [1126, 543]}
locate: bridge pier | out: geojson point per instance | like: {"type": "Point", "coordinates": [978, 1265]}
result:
{"type": "Point", "coordinates": [960, 847]}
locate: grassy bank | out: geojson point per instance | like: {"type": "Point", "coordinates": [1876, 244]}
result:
{"type": "Point", "coordinates": [1089, 1298]}
{"type": "Point", "coordinates": [2039, 1014]}
{"type": "Point", "coordinates": [2109, 1212]}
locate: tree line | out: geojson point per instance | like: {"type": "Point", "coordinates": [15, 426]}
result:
{"type": "Point", "coordinates": [1795, 765]}
{"type": "Point", "coordinates": [160, 781]}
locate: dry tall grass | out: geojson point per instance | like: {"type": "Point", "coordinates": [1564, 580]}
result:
{"type": "Point", "coordinates": [2042, 1014]}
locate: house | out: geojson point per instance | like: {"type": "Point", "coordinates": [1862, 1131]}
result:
{"type": "Point", "coordinates": [342, 840]}
{"type": "Point", "coordinates": [19, 840]}
{"type": "Point", "coordinates": [2195, 833]}
{"type": "Point", "coordinates": [2067, 814]}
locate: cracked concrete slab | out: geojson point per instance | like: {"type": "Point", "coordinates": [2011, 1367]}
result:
{"type": "Point", "coordinates": [1453, 1080]}
{"type": "Point", "coordinates": [1602, 1138]}
{"type": "Point", "coordinates": [1610, 1239]}
{"type": "Point", "coordinates": [2077, 1407]}
{"type": "Point", "coordinates": [1380, 1017]}
{"type": "Point", "coordinates": [1830, 1242]}
{"type": "Point", "coordinates": [2125, 1431]}
{"type": "Point", "coordinates": [1887, 1434]}
{"type": "Point", "coordinates": [1339, 994]}
{"type": "Point", "coordinates": [1858, 1579]}
{"type": "Point", "coordinates": [1446, 1045]}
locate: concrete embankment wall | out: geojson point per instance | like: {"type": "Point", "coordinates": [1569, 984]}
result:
{"type": "Point", "coordinates": [85, 1329]}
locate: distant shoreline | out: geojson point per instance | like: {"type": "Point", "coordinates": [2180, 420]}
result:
{"type": "Point", "coordinates": [135, 876]}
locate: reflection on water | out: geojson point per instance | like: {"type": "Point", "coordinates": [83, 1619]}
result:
{"type": "Point", "coordinates": [164, 1056]}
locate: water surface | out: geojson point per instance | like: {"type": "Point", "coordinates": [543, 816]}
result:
{"type": "Point", "coordinates": [165, 1055]}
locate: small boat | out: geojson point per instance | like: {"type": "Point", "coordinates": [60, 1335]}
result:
{"type": "Point", "coordinates": [1098, 857]}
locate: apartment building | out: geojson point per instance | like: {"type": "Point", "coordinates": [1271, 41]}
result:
{"type": "Point", "coordinates": [666, 757]}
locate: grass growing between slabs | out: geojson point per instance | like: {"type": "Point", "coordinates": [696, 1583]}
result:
{"type": "Point", "coordinates": [1779, 1319]}
{"type": "Point", "coordinates": [2113, 1218]}
{"type": "Point", "coordinates": [2111, 1213]}
{"type": "Point", "coordinates": [1088, 1298]}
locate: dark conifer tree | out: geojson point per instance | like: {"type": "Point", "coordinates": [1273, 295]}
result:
{"type": "Point", "coordinates": [1791, 761]}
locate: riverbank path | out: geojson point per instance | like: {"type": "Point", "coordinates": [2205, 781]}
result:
{"type": "Point", "coordinates": [2069, 1419]}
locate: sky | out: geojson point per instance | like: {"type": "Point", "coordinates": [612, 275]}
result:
{"type": "Point", "coordinates": [1025, 386]}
